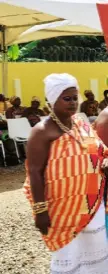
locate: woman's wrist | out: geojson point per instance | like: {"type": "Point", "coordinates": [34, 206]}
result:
{"type": "Point", "coordinates": [40, 207]}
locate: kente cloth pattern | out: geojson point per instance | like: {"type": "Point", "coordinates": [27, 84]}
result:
{"type": "Point", "coordinates": [74, 184]}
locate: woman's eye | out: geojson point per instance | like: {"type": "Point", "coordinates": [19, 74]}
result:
{"type": "Point", "coordinates": [68, 98]}
{"type": "Point", "coordinates": [75, 98]}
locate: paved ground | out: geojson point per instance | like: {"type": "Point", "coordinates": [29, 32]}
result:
{"type": "Point", "coordinates": [21, 248]}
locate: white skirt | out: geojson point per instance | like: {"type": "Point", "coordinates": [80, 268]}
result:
{"type": "Point", "coordinates": [87, 253]}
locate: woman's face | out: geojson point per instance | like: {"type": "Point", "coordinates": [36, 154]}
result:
{"type": "Point", "coordinates": [67, 103]}
{"type": "Point", "coordinates": [2, 98]}
{"type": "Point", "coordinates": [91, 110]}
{"type": "Point", "coordinates": [35, 104]}
{"type": "Point", "coordinates": [17, 102]}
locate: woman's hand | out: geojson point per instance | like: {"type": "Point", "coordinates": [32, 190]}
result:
{"type": "Point", "coordinates": [42, 222]}
{"type": "Point", "coordinates": [104, 167]}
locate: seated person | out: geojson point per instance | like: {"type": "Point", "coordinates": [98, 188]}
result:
{"type": "Point", "coordinates": [91, 110]}
{"type": "Point", "coordinates": [3, 122]}
{"type": "Point", "coordinates": [2, 104]}
{"type": "Point", "coordinates": [16, 110]}
{"type": "Point", "coordinates": [84, 107]}
{"type": "Point", "coordinates": [7, 102]}
{"type": "Point", "coordinates": [104, 103]}
{"type": "Point", "coordinates": [33, 113]}
{"type": "Point", "coordinates": [46, 111]}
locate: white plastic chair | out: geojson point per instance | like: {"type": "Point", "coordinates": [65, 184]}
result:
{"type": "Point", "coordinates": [3, 152]}
{"type": "Point", "coordinates": [19, 130]}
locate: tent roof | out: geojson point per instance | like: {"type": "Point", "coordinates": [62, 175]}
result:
{"type": "Point", "coordinates": [18, 19]}
{"type": "Point", "coordinates": [18, 15]}
{"type": "Point", "coordinates": [81, 12]}
{"type": "Point", "coordinates": [51, 30]}
{"type": "Point", "coordinates": [12, 16]}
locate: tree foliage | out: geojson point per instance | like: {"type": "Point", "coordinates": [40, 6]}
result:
{"type": "Point", "coordinates": [64, 49]}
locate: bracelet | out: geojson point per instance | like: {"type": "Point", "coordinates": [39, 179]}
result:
{"type": "Point", "coordinates": [35, 212]}
{"type": "Point", "coordinates": [40, 207]}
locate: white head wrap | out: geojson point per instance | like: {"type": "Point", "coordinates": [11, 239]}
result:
{"type": "Point", "coordinates": [55, 84]}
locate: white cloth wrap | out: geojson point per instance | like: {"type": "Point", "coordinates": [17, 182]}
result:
{"type": "Point", "coordinates": [87, 253]}
{"type": "Point", "coordinates": [55, 84]}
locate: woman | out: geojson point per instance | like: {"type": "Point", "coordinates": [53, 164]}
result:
{"type": "Point", "coordinates": [104, 103]}
{"type": "Point", "coordinates": [101, 125]}
{"type": "Point", "coordinates": [65, 184]}
{"type": "Point", "coordinates": [16, 110]}
{"type": "Point", "coordinates": [2, 104]}
{"type": "Point", "coordinates": [33, 113]}
{"type": "Point", "coordinates": [90, 106]}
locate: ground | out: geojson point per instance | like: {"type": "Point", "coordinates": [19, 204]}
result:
{"type": "Point", "coordinates": [21, 249]}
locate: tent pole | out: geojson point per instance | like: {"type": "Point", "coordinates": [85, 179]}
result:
{"type": "Point", "coordinates": [4, 63]}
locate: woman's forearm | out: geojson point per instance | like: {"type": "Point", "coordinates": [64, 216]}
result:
{"type": "Point", "coordinates": [37, 187]}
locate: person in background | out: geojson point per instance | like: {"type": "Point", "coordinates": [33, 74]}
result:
{"type": "Point", "coordinates": [46, 111]}
{"type": "Point", "coordinates": [33, 113]}
{"type": "Point", "coordinates": [104, 103]}
{"type": "Point", "coordinates": [90, 106]}
{"type": "Point", "coordinates": [16, 110]}
{"type": "Point", "coordinates": [91, 111]}
{"type": "Point", "coordinates": [101, 125]}
{"type": "Point", "coordinates": [3, 122]}
{"type": "Point", "coordinates": [8, 104]}
{"type": "Point", "coordinates": [65, 184]}
{"type": "Point", "coordinates": [2, 104]}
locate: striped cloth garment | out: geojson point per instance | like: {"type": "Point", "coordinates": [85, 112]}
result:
{"type": "Point", "coordinates": [74, 184]}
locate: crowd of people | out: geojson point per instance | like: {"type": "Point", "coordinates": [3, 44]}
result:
{"type": "Point", "coordinates": [90, 106]}
{"type": "Point", "coordinates": [11, 108]}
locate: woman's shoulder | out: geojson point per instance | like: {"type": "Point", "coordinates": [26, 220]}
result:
{"type": "Point", "coordinates": [41, 127]}
{"type": "Point", "coordinates": [46, 130]}
{"type": "Point", "coordinates": [84, 103]}
{"type": "Point", "coordinates": [10, 109]}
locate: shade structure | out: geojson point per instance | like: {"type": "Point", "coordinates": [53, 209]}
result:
{"type": "Point", "coordinates": [92, 14]}
{"type": "Point", "coordinates": [89, 13]}
{"type": "Point", "coordinates": [80, 12]}
{"type": "Point", "coordinates": [59, 28]}
{"type": "Point", "coordinates": [15, 19]}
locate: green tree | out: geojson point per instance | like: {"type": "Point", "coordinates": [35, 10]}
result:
{"type": "Point", "coordinates": [72, 48]}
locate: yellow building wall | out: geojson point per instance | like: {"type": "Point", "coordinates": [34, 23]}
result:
{"type": "Point", "coordinates": [31, 76]}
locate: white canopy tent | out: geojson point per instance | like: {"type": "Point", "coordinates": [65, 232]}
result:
{"type": "Point", "coordinates": [92, 14]}
{"type": "Point", "coordinates": [85, 13]}
{"type": "Point", "coordinates": [16, 20]}
{"type": "Point", "coordinates": [13, 21]}
{"type": "Point", "coordinates": [60, 28]}
{"type": "Point", "coordinates": [80, 12]}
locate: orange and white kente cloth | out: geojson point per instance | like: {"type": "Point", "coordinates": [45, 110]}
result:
{"type": "Point", "coordinates": [74, 184]}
